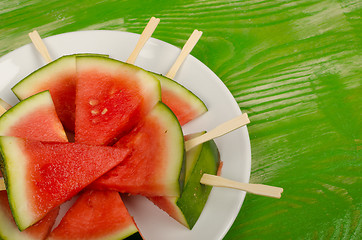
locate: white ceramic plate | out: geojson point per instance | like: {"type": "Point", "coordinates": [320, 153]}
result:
{"type": "Point", "coordinates": [223, 205]}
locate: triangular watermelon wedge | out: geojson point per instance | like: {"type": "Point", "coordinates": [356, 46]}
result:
{"type": "Point", "coordinates": [40, 176]}
{"type": "Point", "coordinates": [58, 77]}
{"type": "Point", "coordinates": [34, 118]}
{"type": "Point", "coordinates": [183, 103]}
{"type": "Point", "coordinates": [154, 165]}
{"type": "Point", "coordinates": [9, 230]}
{"type": "Point", "coordinates": [187, 208]}
{"type": "Point", "coordinates": [111, 98]}
{"type": "Point", "coordinates": [96, 215]}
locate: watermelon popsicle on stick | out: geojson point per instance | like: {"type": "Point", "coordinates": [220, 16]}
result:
{"type": "Point", "coordinates": [36, 112]}
{"type": "Point", "coordinates": [202, 157]}
{"type": "Point", "coordinates": [184, 104]}
{"type": "Point", "coordinates": [202, 165]}
{"type": "Point", "coordinates": [96, 215]}
{"type": "Point", "coordinates": [40, 176]}
{"type": "Point", "coordinates": [34, 117]}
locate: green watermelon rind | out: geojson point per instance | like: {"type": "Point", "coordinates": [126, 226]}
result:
{"type": "Point", "coordinates": [195, 194]}
{"type": "Point", "coordinates": [16, 182]}
{"type": "Point", "coordinates": [192, 155]}
{"type": "Point", "coordinates": [187, 208]}
{"type": "Point", "coordinates": [26, 107]}
{"type": "Point", "coordinates": [174, 169]}
{"type": "Point", "coordinates": [195, 102]}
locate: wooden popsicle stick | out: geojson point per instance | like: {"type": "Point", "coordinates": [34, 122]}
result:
{"type": "Point", "coordinates": [4, 104]}
{"type": "Point", "coordinates": [220, 130]}
{"type": "Point", "coordinates": [258, 189]}
{"type": "Point", "coordinates": [40, 46]}
{"type": "Point", "coordinates": [2, 110]}
{"type": "Point", "coordinates": [146, 34]}
{"type": "Point", "coordinates": [187, 48]}
{"type": "Point", "coordinates": [2, 184]}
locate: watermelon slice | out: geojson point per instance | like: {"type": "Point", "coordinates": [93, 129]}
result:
{"type": "Point", "coordinates": [153, 168]}
{"type": "Point", "coordinates": [185, 104]}
{"type": "Point", "coordinates": [187, 208]}
{"type": "Point", "coordinates": [96, 215]}
{"type": "Point", "coordinates": [111, 98]}
{"type": "Point", "coordinates": [39, 176]}
{"type": "Point", "coordinates": [59, 78]}
{"type": "Point", "coordinates": [9, 230]}
{"type": "Point", "coordinates": [34, 118]}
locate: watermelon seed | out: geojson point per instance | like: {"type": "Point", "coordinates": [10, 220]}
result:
{"type": "Point", "coordinates": [93, 102]}
{"type": "Point", "coordinates": [113, 90]}
{"type": "Point", "coordinates": [104, 111]}
{"type": "Point", "coordinates": [94, 112]}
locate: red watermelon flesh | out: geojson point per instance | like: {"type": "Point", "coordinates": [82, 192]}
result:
{"type": "Point", "coordinates": [59, 78]}
{"type": "Point", "coordinates": [96, 215]}
{"type": "Point", "coordinates": [34, 118]}
{"type": "Point", "coordinates": [154, 165]}
{"type": "Point", "coordinates": [9, 230]}
{"type": "Point", "coordinates": [42, 175]}
{"type": "Point", "coordinates": [111, 98]}
{"type": "Point", "coordinates": [183, 103]}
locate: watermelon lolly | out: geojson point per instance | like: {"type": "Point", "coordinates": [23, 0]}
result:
{"type": "Point", "coordinates": [96, 215]}
{"type": "Point", "coordinates": [35, 118]}
{"type": "Point", "coordinates": [202, 157]}
{"type": "Point", "coordinates": [187, 208]}
{"type": "Point", "coordinates": [200, 176]}
{"type": "Point", "coordinates": [60, 172]}
{"type": "Point", "coordinates": [16, 121]}
{"type": "Point", "coordinates": [185, 104]}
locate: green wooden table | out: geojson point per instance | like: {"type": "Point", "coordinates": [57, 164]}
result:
{"type": "Point", "coordinates": [293, 66]}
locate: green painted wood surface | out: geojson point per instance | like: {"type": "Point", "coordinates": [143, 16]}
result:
{"type": "Point", "coordinates": [293, 66]}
